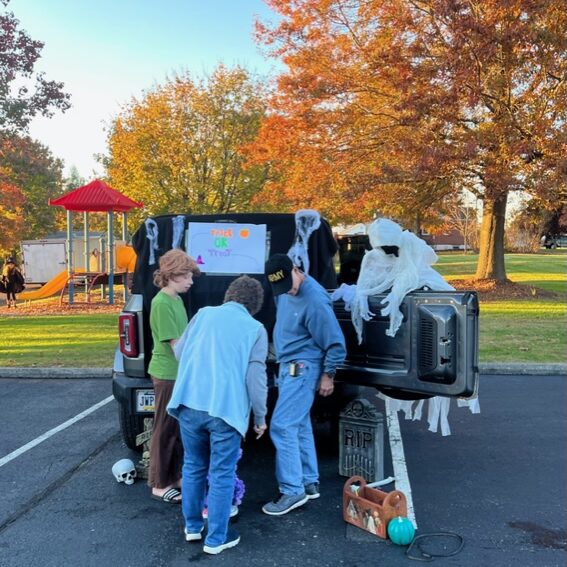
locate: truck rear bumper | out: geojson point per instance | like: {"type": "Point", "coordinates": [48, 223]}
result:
{"type": "Point", "coordinates": [124, 390]}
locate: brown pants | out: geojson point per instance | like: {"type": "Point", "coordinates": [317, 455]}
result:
{"type": "Point", "coordinates": [166, 449]}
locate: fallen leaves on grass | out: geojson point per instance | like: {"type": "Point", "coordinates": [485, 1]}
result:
{"type": "Point", "coordinates": [496, 290]}
{"type": "Point", "coordinates": [488, 290]}
{"type": "Point", "coordinates": [52, 307]}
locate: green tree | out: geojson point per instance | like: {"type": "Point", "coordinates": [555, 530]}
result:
{"type": "Point", "coordinates": [73, 180]}
{"type": "Point", "coordinates": [536, 219]}
{"type": "Point", "coordinates": [178, 149]}
{"type": "Point", "coordinates": [23, 91]}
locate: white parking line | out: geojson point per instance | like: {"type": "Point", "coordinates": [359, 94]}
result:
{"type": "Point", "coordinates": [399, 458]}
{"type": "Point", "coordinates": [11, 456]}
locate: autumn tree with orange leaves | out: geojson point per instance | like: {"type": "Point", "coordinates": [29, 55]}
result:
{"type": "Point", "coordinates": [388, 106]}
{"type": "Point", "coordinates": [11, 205]}
{"type": "Point", "coordinates": [178, 149]}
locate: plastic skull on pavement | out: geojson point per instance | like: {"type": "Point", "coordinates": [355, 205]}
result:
{"type": "Point", "coordinates": [124, 471]}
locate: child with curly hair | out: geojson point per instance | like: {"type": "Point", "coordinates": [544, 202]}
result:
{"type": "Point", "coordinates": [168, 319]}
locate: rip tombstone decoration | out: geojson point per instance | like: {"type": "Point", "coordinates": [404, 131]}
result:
{"type": "Point", "coordinates": [361, 441]}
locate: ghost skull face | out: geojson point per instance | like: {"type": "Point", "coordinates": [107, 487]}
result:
{"type": "Point", "coordinates": [124, 471]}
{"type": "Point", "coordinates": [384, 232]}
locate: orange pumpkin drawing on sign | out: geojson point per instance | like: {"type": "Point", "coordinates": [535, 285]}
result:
{"type": "Point", "coordinates": [244, 233]}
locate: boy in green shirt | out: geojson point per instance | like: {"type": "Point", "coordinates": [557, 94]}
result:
{"type": "Point", "coordinates": [168, 319]}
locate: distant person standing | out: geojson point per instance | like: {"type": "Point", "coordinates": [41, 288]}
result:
{"type": "Point", "coordinates": [12, 281]}
{"type": "Point", "coordinates": [168, 319]}
{"type": "Point", "coordinates": [94, 261]}
{"type": "Point", "coordinates": [309, 347]}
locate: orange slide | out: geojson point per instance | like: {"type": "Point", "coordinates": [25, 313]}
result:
{"type": "Point", "coordinates": [53, 286]}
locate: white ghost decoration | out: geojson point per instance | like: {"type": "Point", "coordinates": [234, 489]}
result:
{"type": "Point", "coordinates": [382, 270]}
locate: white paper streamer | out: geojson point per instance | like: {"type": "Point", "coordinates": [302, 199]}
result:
{"type": "Point", "coordinates": [438, 408]}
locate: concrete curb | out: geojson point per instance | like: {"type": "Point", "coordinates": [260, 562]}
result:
{"type": "Point", "coordinates": [55, 372]}
{"type": "Point", "coordinates": [543, 369]}
{"type": "Point", "coordinates": [512, 368]}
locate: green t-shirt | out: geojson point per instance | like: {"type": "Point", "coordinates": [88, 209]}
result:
{"type": "Point", "coordinates": [168, 320]}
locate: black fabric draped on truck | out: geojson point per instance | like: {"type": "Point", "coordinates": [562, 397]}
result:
{"type": "Point", "coordinates": [210, 289]}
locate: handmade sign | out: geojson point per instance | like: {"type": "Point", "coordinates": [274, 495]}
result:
{"type": "Point", "coordinates": [227, 248]}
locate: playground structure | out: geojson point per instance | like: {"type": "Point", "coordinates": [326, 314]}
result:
{"type": "Point", "coordinates": [125, 264]}
{"type": "Point", "coordinates": [42, 259]}
{"type": "Point", "coordinates": [96, 196]}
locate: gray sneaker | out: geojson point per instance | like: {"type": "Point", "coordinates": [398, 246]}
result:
{"type": "Point", "coordinates": [284, 503]}
{"type": "Point", "coordinates": [312, 491]}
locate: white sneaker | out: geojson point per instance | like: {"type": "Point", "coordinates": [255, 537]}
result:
{"type": "Point", "coordinates": [193, 536]}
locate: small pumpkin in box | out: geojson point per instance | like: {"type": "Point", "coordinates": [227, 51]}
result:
{"type": "Point", "coordinates": [401, 530]}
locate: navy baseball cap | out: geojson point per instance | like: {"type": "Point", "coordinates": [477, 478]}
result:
{"type": "Point", "coordinates": [278, 271]}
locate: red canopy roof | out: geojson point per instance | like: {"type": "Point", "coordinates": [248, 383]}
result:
{"type": "Point", "coordinates": [96, 196]}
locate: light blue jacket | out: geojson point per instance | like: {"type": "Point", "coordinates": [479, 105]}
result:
{"type": "Point", "coordinates": [213, 363]}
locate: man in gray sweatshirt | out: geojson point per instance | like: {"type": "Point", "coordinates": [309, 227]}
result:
{"type": "Point", "coordinates": [309, 347]}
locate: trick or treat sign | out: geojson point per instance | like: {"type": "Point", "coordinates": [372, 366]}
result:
{"type": "Point", "coordinates": [227, 248]}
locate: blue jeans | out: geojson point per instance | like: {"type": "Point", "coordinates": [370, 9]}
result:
{"type": "Point", "coordinates": [290, 428]}
{"type": "Point", "coordinates": [211, 447]}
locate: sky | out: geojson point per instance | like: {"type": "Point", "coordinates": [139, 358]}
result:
{"type": "Point", "coordinates": [108, 51]}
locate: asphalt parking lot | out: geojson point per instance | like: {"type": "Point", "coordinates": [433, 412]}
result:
{"type": "Point", "coordinates": [497, 481]}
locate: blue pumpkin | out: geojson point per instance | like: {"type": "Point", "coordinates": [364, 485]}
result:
{"type": "Point", "coordinates": [401, 530]}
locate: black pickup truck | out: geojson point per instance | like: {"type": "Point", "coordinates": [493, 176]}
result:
{"type": "Point", "coordinates": [433, 353]}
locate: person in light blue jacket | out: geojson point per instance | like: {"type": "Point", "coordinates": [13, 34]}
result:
{"type": "Point", "coordinates": [309, 346]}
{"type": "Point", "coordinates": [222, 376]}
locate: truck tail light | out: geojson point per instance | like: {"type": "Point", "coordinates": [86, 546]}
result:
{"type": "Point", "coordinates": [128, 334]}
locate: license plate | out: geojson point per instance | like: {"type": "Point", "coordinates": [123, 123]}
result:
{"type": "Point", "coordinates": [145, 401]}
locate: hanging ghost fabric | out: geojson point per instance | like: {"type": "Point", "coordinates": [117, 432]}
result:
{"type": "Point", "coordinates": [178, 228]}
{"type": "Point", "coordinates": [307, 221]}
{"type": "Point", "coordinates": [152, 236]}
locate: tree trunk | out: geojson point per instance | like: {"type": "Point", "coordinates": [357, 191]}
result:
{"type": "Point", "coordinates": [417, 224]}
{"type": "Point", "coordinates": [491, 254]}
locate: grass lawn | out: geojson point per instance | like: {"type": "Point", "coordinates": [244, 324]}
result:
{"type": "Point", "coordinates": [547, 270]}
{"type": "Point", "coordinates": [520, 330]}
{"type": "Point", "coordinates": [60, 340]}
{"type": "Point", "coordinates": [517, 330]}
{"type": "Point", "coordinates": [523, 331]}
